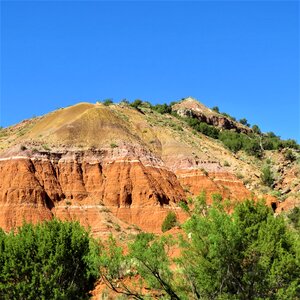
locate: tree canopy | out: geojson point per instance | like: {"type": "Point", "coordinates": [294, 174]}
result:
{"type": "Point", "coordinates": [51, 260]}
{"type": "Point", "coordinates": [248, 254]}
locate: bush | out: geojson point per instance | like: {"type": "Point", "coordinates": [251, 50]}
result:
{"type": "Point", "coordinates": [244, 122]}
{"type": "Point", "coordinates": [289, 155]}
{"type": "Point", "coordinates": [169, 222]}
{"type": "Point", "coordinates": [136, 103]}
{"type": "Point", "coordinates": [113, 145]}
{"type": "Point", "coordinates": [256, 129]}
{"type": "Point", "coordinates": [52, 260]}
{"type": "Point", "coordinates": [267, 176]}
{"type": "Point", "coordinates": [107, 102]}
{"type": "Point", "coordinates": [162, 108]}
{"type": "Point", "coordinates": [216, 109]}
{"type": "Point", "coordinates": [294, 217]}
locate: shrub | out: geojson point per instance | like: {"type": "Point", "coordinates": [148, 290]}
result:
{"type": "Point", "coordinates": [294, 217]}
{"type": "Point", "coordinates": [289, 155]}
{"type": "Point", "coordinates": [113, 145]}
{"type": "Point", "coordinates": [226, 164]}
{"type": "Point", "coordinates": [169, 222]}
{"type": "Point", "coordinates": [108, 102]}
{"type": "Point", "coordinates": [256, 129]}
{"type": "Point", "coordinates": [136, 103]}
{"type": "Point", "coordinates": [216, 109]}
{"type": "Point", "coordinates": [52, 260]}
{"type": "Point", "coordinates": [252, 147]}
{"type": "Point", "coordinates": [267, 176]}
{"type": "Point", "coordinates": [162, 108]}
{"type": "Point", "coordinates": [244, 122]}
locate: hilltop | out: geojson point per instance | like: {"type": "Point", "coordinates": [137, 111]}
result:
{"type": "Point", "coordinates": [113, 165]}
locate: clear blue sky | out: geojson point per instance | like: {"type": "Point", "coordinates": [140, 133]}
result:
{"type": "Point", "coordinates": [241, 56]}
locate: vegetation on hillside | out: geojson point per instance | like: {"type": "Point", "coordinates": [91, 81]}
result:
{"type": "Point", "coordinates": [169, 222]}
{"type": "Point", "coordinates": [254, 143]}
{"type": "Point", "coordinates": [249, 254]}
{"type": "Point", "coordinates": [51, 260]}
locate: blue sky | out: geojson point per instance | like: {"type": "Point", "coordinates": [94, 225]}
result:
{"type": "Point", "coordinates": [241, 56]}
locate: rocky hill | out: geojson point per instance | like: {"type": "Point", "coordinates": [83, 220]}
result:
{"type": "Point", "coordinates": [121, 167]}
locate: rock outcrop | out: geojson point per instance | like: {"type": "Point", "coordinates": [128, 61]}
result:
{"type": "Point", "coordinates": [42, 184]}
{"type": "Point", "coordinates": [190, 107]}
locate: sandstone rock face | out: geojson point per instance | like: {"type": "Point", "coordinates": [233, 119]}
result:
{"type": "Point", "coordinates": [77, 185]}
{"type": "Point", "coordinates": [22, 198]}
{"type": "Point", "coordinates": [223, 183]}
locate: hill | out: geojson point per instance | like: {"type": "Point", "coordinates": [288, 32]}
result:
{"type": "Point", "coordinates": [113, 165]}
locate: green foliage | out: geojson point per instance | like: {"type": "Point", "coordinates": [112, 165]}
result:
{"type": "Point", "coordinates": [290, 144]}
{"type": "Point", "coordinates": [232, 140]}
{"type": "Point", "coordinates": [169, 222]}
{"type": "Point", "coordinates": [216, 109]}
{"type": "Point", "coordinates": [267, 177]}
{"type": "Point", "coordinates": [136, 103]}
{"type": "Point", "coordinates": [107, 102]}
{"type": "Point", "coordinates": [294, 217]}
{"type": "Point", "coordinates": [256, 129]}
{"type": "Point", "coordinates": [244, 122]}
{"type": "Point", "coordinates": [124, 101]}
{"type": "Point", "coordinates": [249, 254]}
{"type": "Point", "coordinates": [52, 260]}
{"type": "Point", "coordinates": [226, 164]}
{"type": "Point", "coordinates": [148, 258]}
{"type": "Point", "coordinates": [289, 155]}
{"type": "Point", "coordinates": [253, 144]}
{"type": "Point", "coordinates": [152, 262]}
{"type": "Point", "coordinates": [252, 147]}
{"type": "Point", "coordinates": [46, 147]}
{"type": "Point", "coordinates": [162, 108]}
{"type": "Point", "coordinates": [113, 145]}
{"type": "Point", "coordinates": [202, 127]}
{"type": "Point", "coordinates": [229, 116]}
{"type": "Point", "coordinates": [238, 141]}
{"type": "Point", "coordinates": [246, 255]}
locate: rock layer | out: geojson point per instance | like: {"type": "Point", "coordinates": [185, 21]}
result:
{"type": "Point", "coordinates": [37, 188]}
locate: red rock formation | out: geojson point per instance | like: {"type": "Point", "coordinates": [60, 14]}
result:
{"type": "Point", "coordinates": [223, 183]}
{"type": "Point", "coordinates": [22, 198]}
{"type": "Point", "coordinates": [74, 188]}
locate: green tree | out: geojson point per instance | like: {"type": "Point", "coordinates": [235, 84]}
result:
{"type": "Point", "coordinates": [216, 109]}
{"type": "Point", "coordinates": [163, 108]}
{"type": "Point", "coordinates": [249, 254]}
{"type": "Point", "coordinates": [169, 222]}
{"type": "Point", "coordinates": [147, 259]}
{"type": "Point", "coordinates": [256, 129]}
{"type": "Point", "coordinates": [107, 102]}
{"type": "Point", "coordinates": [244, 122]}
{"type": "Point", "coordinates": [294, 217]}
{"type": "Point", "coordinates": [136, 103]}
{"type": "Point", "coordinates": [51, 260]}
